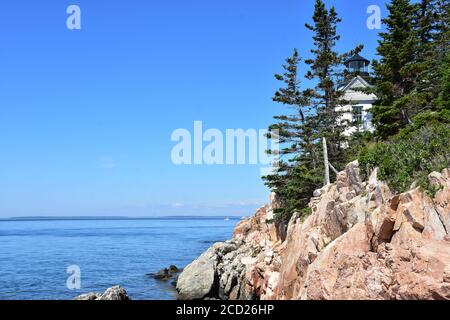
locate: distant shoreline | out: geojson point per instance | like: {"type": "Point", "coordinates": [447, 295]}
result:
{"type": "Point", "coordinates": [50, 218]}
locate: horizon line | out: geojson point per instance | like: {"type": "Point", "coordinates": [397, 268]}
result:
{"type": "Point", "coordinates": [30, 218]}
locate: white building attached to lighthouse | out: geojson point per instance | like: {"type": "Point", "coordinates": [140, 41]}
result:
{"type": "Point", "coordinates": [356, 113]}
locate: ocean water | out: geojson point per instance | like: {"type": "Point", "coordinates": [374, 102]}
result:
{"type": "Point", "coordinates": [35, 254]}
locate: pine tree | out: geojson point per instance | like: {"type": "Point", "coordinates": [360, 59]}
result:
{"type": "Point", "coordinates": [409, 76]}
{"type": "Point", "coordinates": [431, 25]}
{"type": "Point", "coordinates": [292, 179]}
{"type": "Point", "coordinates": [442, 100]}
{"type": "Point", "coordinates": [326, 98]}
{"type": "Point", "coordinates": [315, 116]}
{"type": "Point", "coordinates": [396, 71]}
{"type": "Point", "coordinates": [287, 126]}
{"type": "Point", "coordinates": [425, 24]}
{"type": "Point", "coordinates": [441, 31]}
{"type": "Point", "coordinates": [436, 66]}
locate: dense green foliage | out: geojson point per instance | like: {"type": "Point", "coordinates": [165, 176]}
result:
{"type": "Point", "coordinates": [410, 156]}
{"type": "Point", "coordinates": [412, 52]}
{"type": "Point", "coordinates": [412, 81]}
{"type": "Point", "coordinates": [395, 72]}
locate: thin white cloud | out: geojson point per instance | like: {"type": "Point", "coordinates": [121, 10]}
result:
{"type": "Point", "coordinates": [177, 205]}
{"type": "Point", "coordinates": [108, 163]}
{"type": "Point", "coordinates": [217, 204]}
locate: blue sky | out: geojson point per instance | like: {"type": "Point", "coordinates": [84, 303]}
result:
{"type": "Point", "coordinates": [86, 115]}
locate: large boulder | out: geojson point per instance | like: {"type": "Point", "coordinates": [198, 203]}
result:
{"type": "Point", "coordinates": [441, 181]}
{"type": "Point", "coordinates": [198, 278]}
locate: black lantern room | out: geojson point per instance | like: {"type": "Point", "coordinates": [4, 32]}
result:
{"type": "Point", "coordinates": [357, 64]}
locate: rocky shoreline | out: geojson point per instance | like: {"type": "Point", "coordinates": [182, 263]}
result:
{"type": "Point", "coordinates": [360, 241]}
{"type": "Point", "coordinates": [119, 293]}
{"type": "Point", "coordinates": [114, 293]}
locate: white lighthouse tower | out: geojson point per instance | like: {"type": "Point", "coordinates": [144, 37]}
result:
{"type": "Point", "coordinates": [357, 111]}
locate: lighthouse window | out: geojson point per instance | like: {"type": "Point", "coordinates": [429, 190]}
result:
{"type": "Point", "coordinates": [357, 114]}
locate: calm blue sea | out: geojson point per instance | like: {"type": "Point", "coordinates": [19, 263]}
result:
{"type": "Point", "coordinates": [35, 254]}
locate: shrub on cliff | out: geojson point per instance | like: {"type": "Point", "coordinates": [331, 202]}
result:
{"type": "Point", "coordinates": [411, 155]}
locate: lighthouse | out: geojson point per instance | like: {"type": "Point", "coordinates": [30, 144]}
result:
{"type": "Point", "coordinates": [356, 112]}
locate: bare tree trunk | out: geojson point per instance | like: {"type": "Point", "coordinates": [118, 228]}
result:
{"type": "Point", "coordinates": [325, 159]}
{"type": "Point", "coordinates": [333, 168]}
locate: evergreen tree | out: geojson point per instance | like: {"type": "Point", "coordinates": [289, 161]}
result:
{"type": "Point", "coordinates": [396, 72]}
{"type": "Point", "coordinates": [297, 155]}
{"type": "Point", "coordinates": [431, 24]}
{"type": "Point", "coordinates": [409, 75]}
{"type": "Point", "coordinates": [325, 68]}
{"type": "Point", "coordinates": [438, 58]}
{"type": "Point", "coordinates": [425, 25]}
{"type": "Point", "coordinates": [443, 99]}
{"type": "Point", "coordinates": [287, 126]}
{"type": "Point", "coordinates": [441, 32]}
{"type": "Point", "coordinates": [315, 116]}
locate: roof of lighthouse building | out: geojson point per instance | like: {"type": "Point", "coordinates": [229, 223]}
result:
{"type": "Point", "coordinates": [356, 57]}
{"type": "Point", "coordinates": [357, 81]}
{"type": "Point", "coordinates": [353, 90]}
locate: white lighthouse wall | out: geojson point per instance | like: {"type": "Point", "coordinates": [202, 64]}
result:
{"type": "Point", "coordinates": [367, 124]}
{"type": "Point", "coordinates": [358, 98]}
